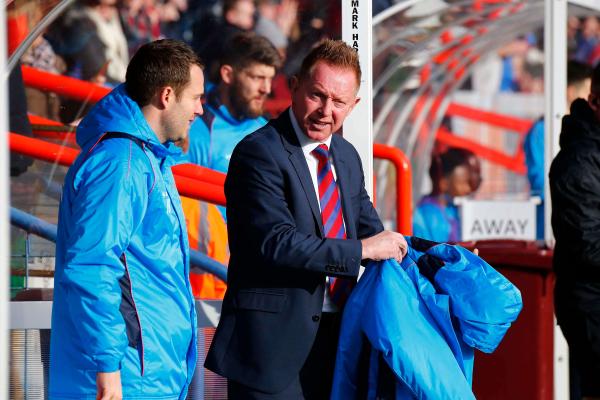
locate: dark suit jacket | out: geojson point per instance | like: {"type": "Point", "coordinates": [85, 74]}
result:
{"type": "Point", "coordinates": [279, 256]}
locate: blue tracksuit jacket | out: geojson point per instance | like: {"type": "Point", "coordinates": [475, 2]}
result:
{"type": "Point", "coordinates": [122, 298]}
{"type": "Point", "coordinates": [423, 318]}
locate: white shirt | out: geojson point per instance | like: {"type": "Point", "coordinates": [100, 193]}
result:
{"type": "Point", "coordinates": [308, 145]}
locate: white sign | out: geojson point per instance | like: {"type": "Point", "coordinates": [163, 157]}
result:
{"type": "Point", "coordinates": [358, 127]}
{"type": "Point", "coordinates": [498, 219]}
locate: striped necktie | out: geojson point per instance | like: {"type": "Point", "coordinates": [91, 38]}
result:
{"type": "Point", "coordinates": [331, 215]}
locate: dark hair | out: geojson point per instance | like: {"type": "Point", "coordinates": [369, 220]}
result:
{"type": "Point", "coordinates": [534, 69]}
{"type": "Point", "coordinates": [335, 53]}
{"type": "Point", "coordinates": [596, 80]}
{"type": "Point", "coordinates": [246, 48]}
{"type": "Point", "coordinates": [577, 72]}
{"type": "Point", "coordinates": [229, 5]}
{"type": "Point", "coordinates": [442, 165]}
{"type": "Point", "coordinates": [159, 64]}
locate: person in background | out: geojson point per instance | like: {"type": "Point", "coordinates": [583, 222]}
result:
{"type": "Point", "coordinates": [209, 35]}
{"type": "Point", "coordinates": [235, 106]}
{"type": "Point", "coordinates": [105, 16]}
{"type": "Point", "coordinates": [454, 173]}
{"type": "Point", "coordinates": [141, 22]}
{"type": "Point", "coordinates": [575, 193]}
{"type": "Point", "coordinates": [578, 86]}
{"type": "Point", "coordinates": [123, 317]}
{"type": "Point", "coordinates": [296, 247]}
{"type": "Point", "coordinates": [233, 109]}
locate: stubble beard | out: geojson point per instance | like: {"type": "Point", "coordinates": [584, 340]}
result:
{"type": "Point", "coordinates": [241, 107]}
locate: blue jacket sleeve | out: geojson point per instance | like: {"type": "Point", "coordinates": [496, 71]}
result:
{"type": "Point", "coordinates": [108, 201]}
{"type": "Point", "coordinates": [534, 157]}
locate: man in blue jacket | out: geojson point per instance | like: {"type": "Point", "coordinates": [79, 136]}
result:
{"type": "Point", "coordinates": [123, 318]}
{"type": "Point", "coordinates": [235, 106]}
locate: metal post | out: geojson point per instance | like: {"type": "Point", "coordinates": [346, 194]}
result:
{"type": "Point", "coordinates": [358, 129]}
{"type": "Point", "coordinates": [555, 88]}
{"type": "Point", "coordinates": [4, 233]}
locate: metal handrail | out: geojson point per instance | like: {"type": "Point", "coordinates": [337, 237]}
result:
{"type": "Point", "coordinates": [403, 185]}
{"type": "Point", "coordinates": [196, 182]}
{"type": "Point", "coordinates": [48, 231]}
{"type": "Point", "coordinates": [205, 184]}
{"type": "Point", "coordinates": [73, 88]}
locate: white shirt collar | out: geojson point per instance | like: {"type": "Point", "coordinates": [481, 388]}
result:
{"type": "Point", "coordinates": [307, 144]}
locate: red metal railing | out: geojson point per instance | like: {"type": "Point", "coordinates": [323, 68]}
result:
{"type": "Point", "coordinates": [205, 184]}
{"type": "Point", "coordinates": [519, 125]}
{"type": "Point", "coordinates": [191, 180]}
{"type": "Point", "coordinates": [403, 185]}
{"type": "Point", "coordinates": [63, 85]}
{"type": "Point", "coordinates": [86, 91]}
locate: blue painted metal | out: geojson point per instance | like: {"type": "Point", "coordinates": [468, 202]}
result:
{"type": "Point", "coordinates": [46, 230]}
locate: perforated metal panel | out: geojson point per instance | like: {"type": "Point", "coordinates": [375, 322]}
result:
{"type": "Point", "coordinates": [28, 365]}
{"type": "Point", "coordinates": [30, 352]}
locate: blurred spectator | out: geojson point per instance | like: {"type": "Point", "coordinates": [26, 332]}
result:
{"type": "Point", "coordinates": [18, 120]}
{"type": "Point", "coordinates": [74, 38]}
{"type": "Point", "coordinates": [512, 55]}
{"type": "Point", "coordinates": [587, 39]}
{"type": "Point", "coordinates": [578, 86]}
{"type": "Point", "coordinates": [105, 16]}
{"type": "Point", "coordinates": [41, 56]}
{"type": "Point", "coordinates": [531, 79]}
{"type": "Point", "coordinates": [454, 173]}
{"type": "Point", "coordinates": [276, 19]}
{"type": "Point", "coordinates": [233, 109]}
{"type": "Point", "coordinates": [210, 35]}
{"type": "Point", "coordinates": [141, 23]}
{"type": "Point", "coordinates": [173, 20]}
{"type": "Point", "coordinates": [573, 26]}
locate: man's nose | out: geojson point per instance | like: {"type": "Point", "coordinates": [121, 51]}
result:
{"type": "Point", "coordinates": [265, 87]}
{"type": "Point", "coordinates": [199, 109]}
{"type": "Point", "coordinates": [326, 107]}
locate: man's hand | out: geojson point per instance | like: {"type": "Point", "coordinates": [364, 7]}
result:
{"type": "Point", "coordinates": [383, 246]}
{"type": "Point", "coordinates": [109, 386]}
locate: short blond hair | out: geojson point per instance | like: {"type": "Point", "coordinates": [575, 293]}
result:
{"type": "Point", "coordinates": [336, 53]}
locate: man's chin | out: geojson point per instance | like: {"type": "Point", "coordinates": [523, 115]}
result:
{"type": "Point", "coordinates": [318, 135]}
{"type": "Point", "coordinates": [255, 112]}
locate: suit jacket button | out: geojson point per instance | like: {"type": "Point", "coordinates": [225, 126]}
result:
{"type": "Point", "coordinates": [316, 318]}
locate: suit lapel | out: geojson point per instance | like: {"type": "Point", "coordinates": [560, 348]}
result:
{"type": "Point", "coordinates": [290, 142]}
{"type": "Point", "coordinates": [343, 182]}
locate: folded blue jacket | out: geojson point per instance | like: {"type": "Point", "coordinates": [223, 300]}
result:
{"type": "Point", "coordinates": [424, 318]}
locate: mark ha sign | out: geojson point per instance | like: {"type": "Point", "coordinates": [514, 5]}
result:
{"type": "Point", "coordinates": [504, 219]}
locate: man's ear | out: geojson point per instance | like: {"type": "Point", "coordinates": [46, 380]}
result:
{"type": "Point", "coordinates": [444, 185]}
{"type": "Point", "coordinates": [165, 97]}
{"type": "Point", "coordinates": [355, 103]}
{"type": "Point", "coordinates": [226, 72]}
{"type": "Point", "coordinates": [593, 101]}
{"type": "Point", "coordinates": [294, 83]}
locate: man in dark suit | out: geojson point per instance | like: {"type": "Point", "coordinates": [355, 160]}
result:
{"type": "Point", "coordinates": [300, 222]}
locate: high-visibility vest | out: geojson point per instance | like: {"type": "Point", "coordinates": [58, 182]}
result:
{"type": "Point", "coordinates": [207, 232]}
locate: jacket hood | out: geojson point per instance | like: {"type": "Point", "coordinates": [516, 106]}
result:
{"type": "Point", "coordinates": [580, 124]}
{"type": "Point", "coordinates": [117, 112]}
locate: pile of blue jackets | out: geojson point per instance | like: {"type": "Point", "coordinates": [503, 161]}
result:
{"type": "Point", "coordinates": [423, 318]}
